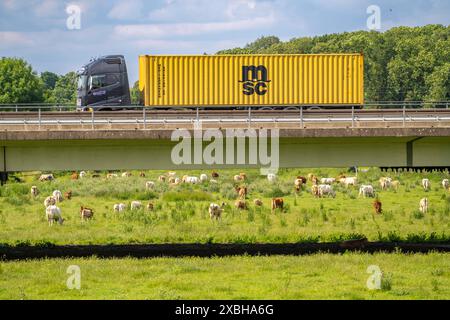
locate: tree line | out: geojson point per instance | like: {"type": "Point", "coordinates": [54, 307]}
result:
{"type": "Point", "coordinates": [401, 64]}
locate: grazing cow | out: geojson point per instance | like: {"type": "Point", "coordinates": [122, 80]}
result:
{"type": "Point", "coordinates": [149, 185]}
{"type": "Point", "coordinates": [350, 181]}
{"type": "Point", "coordinates": [258, 202]}
{"type": "Point", "coordinates": [150, 206]}
{"type": "Point", "coordinates": [119, 207]}
{"type": "Point", "coordinates": [304, 180]}
{"type": "Point", "coordinates": [171, 180]}
{"type": "Point", "coordinates": [423, 205]}
{"type": "Point", "coordinates": [240, 204]}
{"type": "Point", "coordinates": [298, 184]}
{"type": "Point", "coordinates": [277, 203]}
{"type": "Point", "coordinates": [68, 195]}
{"type": "Point", "coordinates": [135, 205]}
{"type": "Point", "coordinates": [327, 180]}
{"type": "Point", "coordinates": [377, 206]}
{"type": "Point", "coordinates": [326, 190]}
{"type": "Point", "coordinates": [162, 178]}
{"type": "Point", "coordinates": [111, 175]}
{"type": "Point", "coordinates": [385, 183]}
{"type": "Point", "coordinates": [215, 175]}
{"type": "Point", "coordinates": [272, 178]}
{"type": "Point", "coordinates": [58, 195]}
{"type": "Point", "coordinates": [366, 191]}
{"type": "Point", "coordinates": [74, 176]}
{"type": "Point", "coordinates": [315, 190]}
{"type": "Point", "coordinates": [171, 174]}
{"type": "Point", "coordinates": [46, 177]}
{"type": "Point", "coordinates": [142, 174]}
{"type": "Point", "coordinates": [445, 184]}
{"type": "Point", "coordinates": [395, 184]}
{"type": "Point", "coordinates": [53, 213]}
{"type": "Point", "coordinates": [126, 174]}
{"type": "Point", "coordinates": [242, 192]}
{"type": "Point", "coordinates": [177, 181]}
{"type": "Point", "coordinates": [49, 201]}
{"type": "Point", "coordinates": [34, 191]}
{"type": "Point", "coordinates": [215, 211]}
{"type": "Point", "coordinates": [82, 174]}
{"type": "Point", "coordinates": [86, 213]}
{"type": "Point", "coordinates": [426, 184]}
{"type": "Point", "coordinates": [203, 177]}
{"type": "Point", "coordinates": [191, 180]}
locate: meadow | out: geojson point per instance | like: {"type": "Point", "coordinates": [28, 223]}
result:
{"type": "Point", "coordinates": [319, 276]}
{"type": "Point", "coordinates": [181, 212]}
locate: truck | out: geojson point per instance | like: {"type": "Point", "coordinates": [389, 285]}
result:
{"type": "Point", "coordinates": [265, 81]}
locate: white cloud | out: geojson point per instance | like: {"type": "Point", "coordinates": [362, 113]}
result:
{"type": "Point", "coordinates": [10, 39]}
{"type": "Point", "coordinates": [190, 29]}
{"type": "Point", "coordinates": [124, 10]}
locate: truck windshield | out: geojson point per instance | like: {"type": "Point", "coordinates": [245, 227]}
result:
{"type": "Point", "coordinates": [82, 79]}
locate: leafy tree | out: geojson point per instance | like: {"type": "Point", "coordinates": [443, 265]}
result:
{"type": "Point", "coordinates": [65, 91]}
{"type": "Point", "coordinates": [18, 82]}
{"type": "Point", "coordinates": [136, 95]}
{"type": "Point", "coordinates": [49, 79]}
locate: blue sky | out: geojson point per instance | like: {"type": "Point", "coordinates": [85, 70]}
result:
{"type": "Point", "coordinates": [36, 29]}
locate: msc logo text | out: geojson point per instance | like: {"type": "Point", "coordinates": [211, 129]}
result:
{"type": "Point", "coordinates": [254, 80]}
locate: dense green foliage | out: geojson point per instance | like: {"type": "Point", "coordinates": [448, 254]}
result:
{"type": "Point", "coordinates": [65, 90]}
{"type": "Point", "coordinates": [18, 82]}
{"type": "Point", "coordinates": [402, 63]}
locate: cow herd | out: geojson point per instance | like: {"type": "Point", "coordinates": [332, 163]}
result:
{"type": "Point", "coordinates": [319, 188]}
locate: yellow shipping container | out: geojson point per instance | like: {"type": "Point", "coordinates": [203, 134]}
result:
{"type": "Point", "coordinates": [252, 80]}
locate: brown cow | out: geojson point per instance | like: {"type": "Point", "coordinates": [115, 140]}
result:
{"type": "Point", "coordinates": [150, 206]}
{"type": "Point", "coordinates": [304, 180]}
{"type": "Point", "coordinates": [315, 191]}
{"type": "Point", "coordinates": [74, 176]}
{"type": "Point", "coordinates": [86, 213]}
{"type": "Point", "coordinates": [258, 202]}
{"type": "Point", "coordinates": [377, 206]}
{"type": "Point", "coordinates": [142, 174]}
{"type": "Point", "coordinates": [68, 195]}
{"type": "Point", "coordinates": [277, 203]}
{"type": "Point", "coordinates": [215, 175]}
{"type": "Point", "coordinates": [242, 192]}
{"type": "Point", "coordinates": [240, 204]}
{"type": "Point", "coordinates": [298, 184]}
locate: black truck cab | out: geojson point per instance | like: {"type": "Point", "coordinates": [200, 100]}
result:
{"type": "Point", "coordinates": [103, 84]}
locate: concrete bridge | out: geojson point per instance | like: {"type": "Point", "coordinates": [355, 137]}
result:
{"type": "Point", "coordinates": [151, 149]}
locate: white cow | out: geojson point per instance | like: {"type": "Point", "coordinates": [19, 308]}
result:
{"type": "Point", "coordinates": [327, 180]}
{"type": "Point", "coordinates": [445, 183]}
{"type": "Point", "coordinates": [350, 181]}
{"type": "Point", "coordinates": [46, 177]}
{"type": "Point", "coordinates": [215, 211]}
{"type": "Point", "coordinates": [149, 185]}
{"type": "Point", "coordinates": [34, 191]}
{"type": "Point", "coordinates": [135, 205]}
{"type": "Point", "coordinates": [57, 195]}
{"type": "Point", "coordinates": [203, 177]}
{"type": "Point", "coordinates": [426, 184]}
{"type": "Point", "coordinates": [53, 213]}
{"type": "Point", "coordinates": [326, 190]}
{"type": "Point", "coordinates": [82, 174]}
{"type": "Point", "coordinates": [191, 180]}
{"type": "Point", "coordinates": [272, 177]}
{"type": "Point", "coordinates": [366, 191]}
{"type": "Point", "coordinates": [119, 207]}
{"type": "Point", "coordinates": [423, 205]}
{"type": "Point", "coordinates": [49, 201]}
{"type": "Point", "coordinates": [385, 183]}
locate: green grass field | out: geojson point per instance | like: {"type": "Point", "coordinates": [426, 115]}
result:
{"type": "Point", "coordinates": [320, 276]}
{"type": "Point", "coordinates": [181, 212]}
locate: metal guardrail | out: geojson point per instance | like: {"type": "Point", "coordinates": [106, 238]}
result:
{"type": "Point", "coordinates": [299, 118]}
